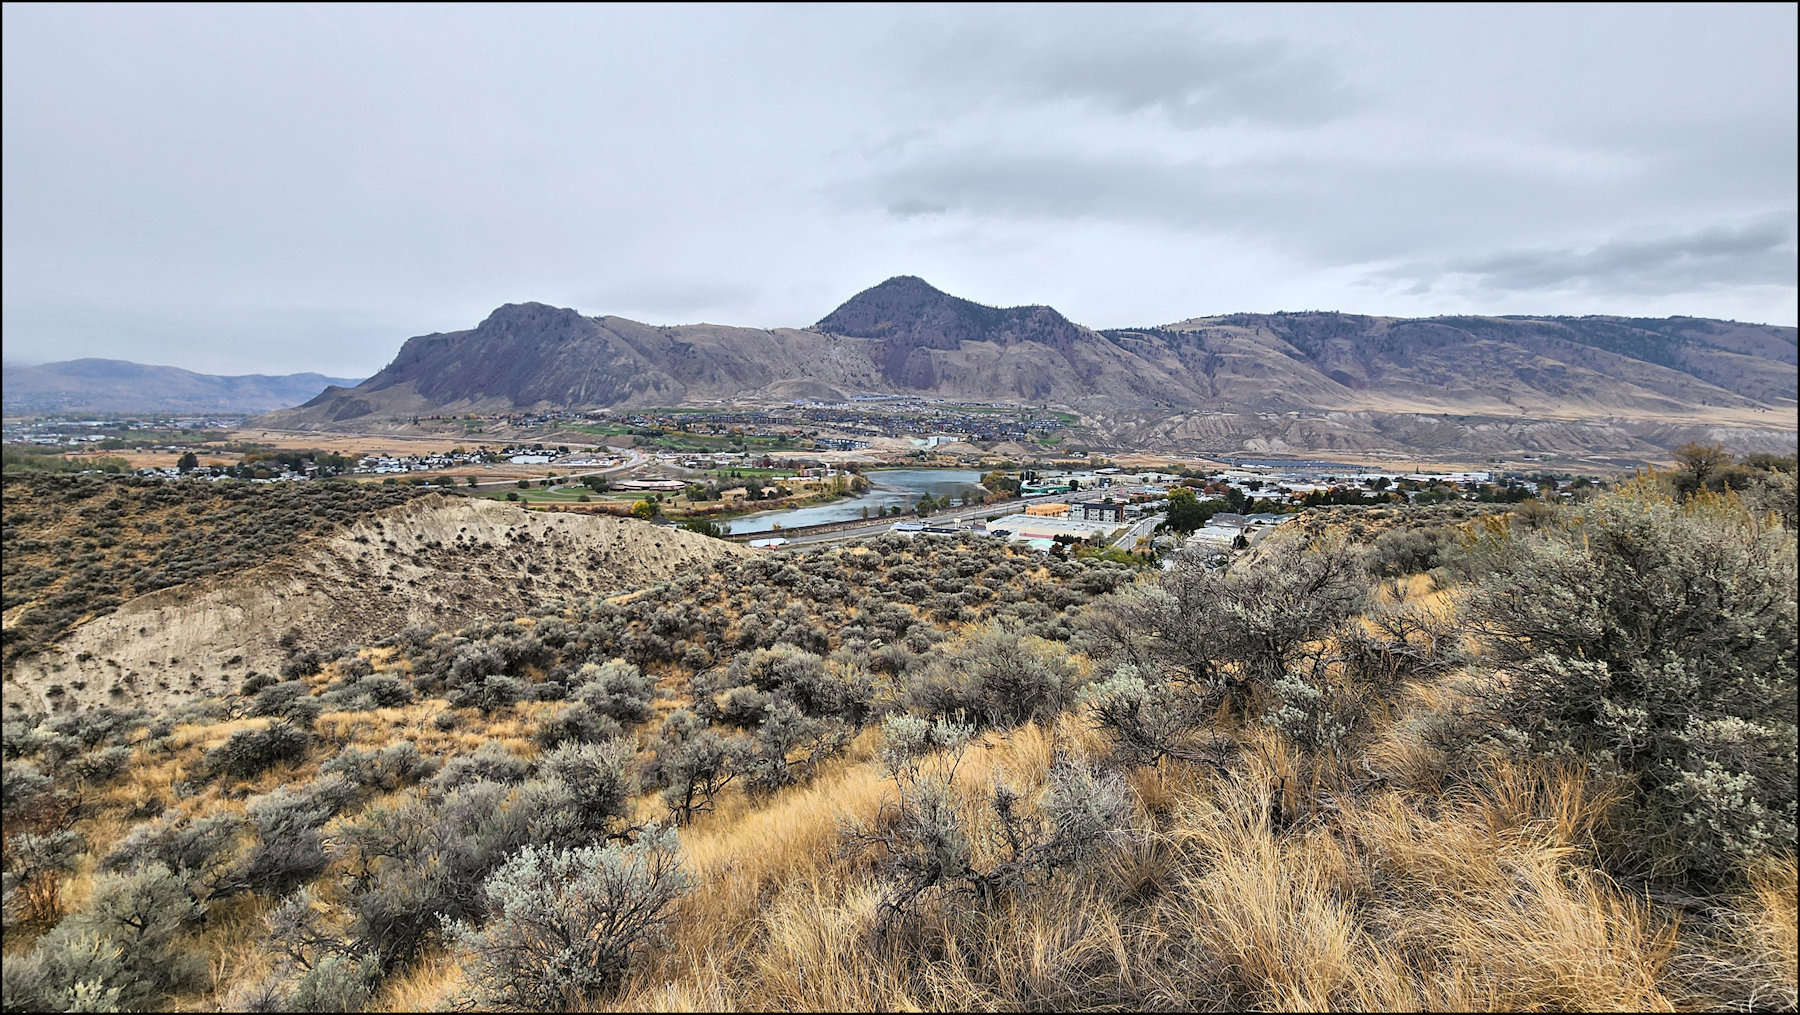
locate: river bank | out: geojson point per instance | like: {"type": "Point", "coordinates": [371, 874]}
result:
{"type": "Point", "coordinates": [888, 488]}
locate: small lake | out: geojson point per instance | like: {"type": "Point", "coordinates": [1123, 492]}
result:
{"type": "Point", "coordinates": [888, 487]}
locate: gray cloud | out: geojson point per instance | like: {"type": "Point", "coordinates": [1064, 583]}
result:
{"type": "Point", "coordinates": [1758, 253]}
{"type": "Point", "coordinates": [1328, 211]}
{"type": "Point", "coordinates": [290, 187]}
{"type": "Point", "coordinates": [913, 207]}
{"type": "Point", "coordinates": [1201, 83]}
{"type": "Point", "coordinates": [1191, 78]}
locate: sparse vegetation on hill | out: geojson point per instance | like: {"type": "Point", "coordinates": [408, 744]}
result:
{"type": "Point", "coordinates": [77, 546]}
{"type": "Point", "coordinates": [1544, 759]}
{"type": "Point", "coordinates": [449, 561]}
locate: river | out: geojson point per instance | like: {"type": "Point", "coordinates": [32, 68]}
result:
{"type": "Point", "coordinates": [888, 487]}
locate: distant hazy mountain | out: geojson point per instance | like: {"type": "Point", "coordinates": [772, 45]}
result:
{"type": "Point", "coordinates": [1169, 383]}
{"type": "Point", "coordinates": [112, 385]}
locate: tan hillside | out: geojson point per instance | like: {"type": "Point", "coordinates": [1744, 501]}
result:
{"type": "Point", "coordinates": [1622, 382]}
{"type": "Point", "coordinates": [440, 560]}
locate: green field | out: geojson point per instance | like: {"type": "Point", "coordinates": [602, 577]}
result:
{"type": "Point", "coordinates": [678, 441]}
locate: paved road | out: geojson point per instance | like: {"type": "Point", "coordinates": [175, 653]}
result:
{"type": "Point", "coordinates": [1143, 528]}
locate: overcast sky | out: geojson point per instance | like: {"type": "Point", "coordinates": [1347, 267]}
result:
{"type": "Point", "coordinates": [275, 189]}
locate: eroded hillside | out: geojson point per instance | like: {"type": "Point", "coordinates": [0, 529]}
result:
{"type": "Point", "coordinates": [78, 546]}
{"type": "Point", "coordinates": [232, 604]}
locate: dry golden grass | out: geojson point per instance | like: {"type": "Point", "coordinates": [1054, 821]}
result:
{"type": "Point", "coordinates": [233, 942]}
{"type": "Point", "coordinates": [1271, 883]}
{"type": "Point", "coordinates": [1488, 901]}
{"type": "Point", "coordinates": [1232, 891]}
{"type": "Point", "coordinates": [1749, 962]}
{"type": "Point", "coordinates": [1773, 929]}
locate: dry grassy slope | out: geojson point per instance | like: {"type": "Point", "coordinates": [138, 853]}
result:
{"type": "Point", "coordinates": [1481, 364]}
{"type": "Point", "coordinates": [1429, 434]}
{"type": "Point", "coordinates": [440, 561]}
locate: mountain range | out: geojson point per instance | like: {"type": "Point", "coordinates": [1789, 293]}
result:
{"type": "Point", "coordinates": [119, 386]}
{"type": "Point", "coordinates": [1242, 382]}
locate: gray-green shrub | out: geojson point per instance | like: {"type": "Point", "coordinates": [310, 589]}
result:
{"type": "Point", "coordinates": [121, 949]}
{"type": "Point", "coordinates": [1654, 641]}
{"type": "Point", "coordinates": [250, 752]}
{"type": "Point", "coordinates": [567, 924]}
{"type": "Point", "coordinates": [615, 688]}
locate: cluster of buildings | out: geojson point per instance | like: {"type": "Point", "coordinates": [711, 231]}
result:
{"type": "Point", "coordinates": [77, 433]}
{"type": "Point", "coordinates": [1225, 532]}
{"type": "Point", "coordinates": [390, 464]}
{"type": "Point", "coordinates": [395, 464]}
{"type": "Point", "coordinates": [61, 440]}
{"type": "Point", "coordinates": [1042, 524]}
{"type": "Point", "coordinates": [933, 423]}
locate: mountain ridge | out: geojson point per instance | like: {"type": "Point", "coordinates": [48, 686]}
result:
{"type": "Point", "coordinates": [904, 336]}
{"type": "Point", "coordinates": [114, 385]}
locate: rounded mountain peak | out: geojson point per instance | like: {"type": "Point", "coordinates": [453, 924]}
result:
{"type": "Point", "coordinates": [907, 284]}
{"type": "Point", "coordinates": [513, 314]}
{"type": "Point", "coordinates": [907, 310]}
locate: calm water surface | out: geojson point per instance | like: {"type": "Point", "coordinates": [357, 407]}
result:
{"type": "Point", "coordinates": [888, 487]}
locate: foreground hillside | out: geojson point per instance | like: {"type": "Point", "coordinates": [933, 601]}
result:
{"type": "Point", "coordinates": [144, 593]}
{"type": "Point", "coordinates": [1244, 382]}
{"type": "Point", "coordinates": [1405, 758]}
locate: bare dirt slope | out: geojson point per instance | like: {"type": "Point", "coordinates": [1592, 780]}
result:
{"type": "Point", "coordinates": [438, 561]}
{"type": "Point", "coordinates": [1430, 435]}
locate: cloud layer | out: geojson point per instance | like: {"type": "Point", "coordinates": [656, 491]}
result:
{"type": "Point", "coordinates": [268, 189]}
